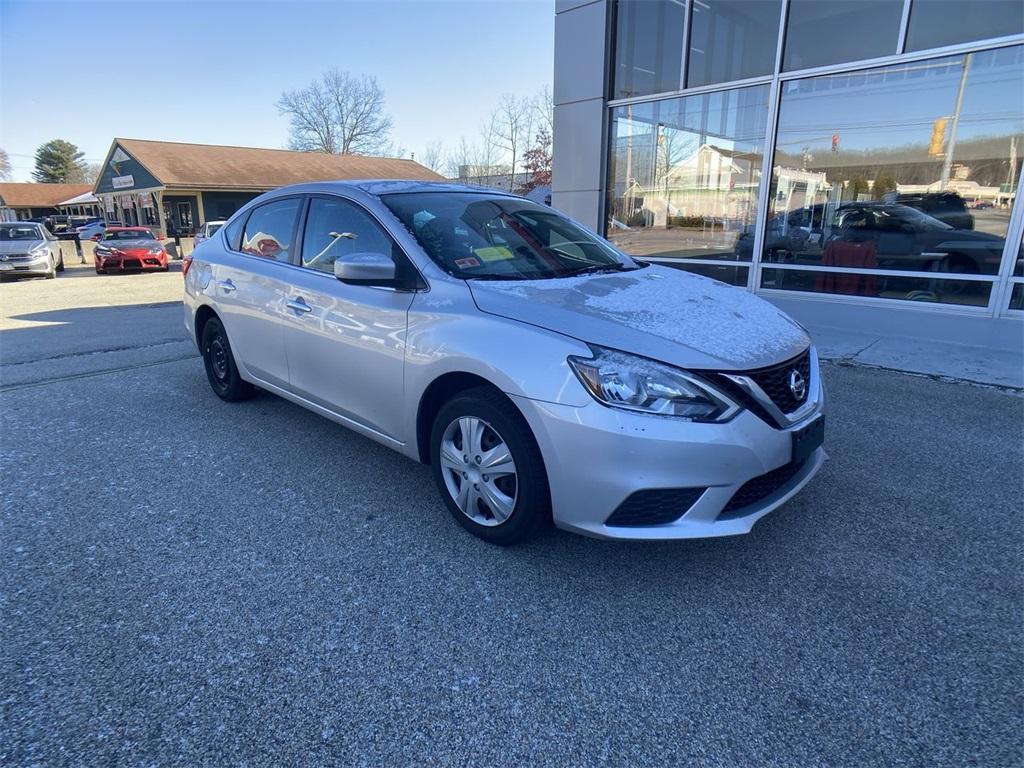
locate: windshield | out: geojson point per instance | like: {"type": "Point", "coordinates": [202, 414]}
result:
{"type": "Point", "coordinates": [20, 232]}
{"type": "Point", "coordinates": [129, 234]}
{"type": "Point", "coordinates": [480, 236]}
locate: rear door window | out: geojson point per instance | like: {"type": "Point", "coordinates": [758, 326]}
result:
{"type": "Point", "coordinates": [270, 230]}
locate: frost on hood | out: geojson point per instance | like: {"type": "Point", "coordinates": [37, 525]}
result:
{"type": "Point", "coordinates": [678, 306]}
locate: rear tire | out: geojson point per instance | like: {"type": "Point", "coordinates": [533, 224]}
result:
{"type": "Point", "coordinates": [526, 487]}
{"type": "Point", "coordinates": [221, 370]}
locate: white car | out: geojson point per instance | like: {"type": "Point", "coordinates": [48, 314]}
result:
{"type": "Point", "coordinates": [206, 231]}
{"type": "Point", "coordinates": [543, 374]}
{"type": "Point", "coordinates": [95, 230]}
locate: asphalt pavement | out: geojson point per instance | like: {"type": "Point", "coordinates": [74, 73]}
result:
{"type": "Point", "coordinates": [189, 582]}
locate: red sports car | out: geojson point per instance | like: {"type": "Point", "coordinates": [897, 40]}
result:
{"type": "Point", "coordinates": [124, 248]}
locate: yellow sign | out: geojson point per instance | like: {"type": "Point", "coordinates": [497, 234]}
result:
{"type": "Point", "coordinates": [498, 253]}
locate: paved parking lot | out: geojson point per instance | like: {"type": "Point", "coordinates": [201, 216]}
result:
{"type": "Point", "coordinates": [184, 582]}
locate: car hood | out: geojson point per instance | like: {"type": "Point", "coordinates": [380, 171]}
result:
{"type": "Point", "coordinates": [19, 246]}
{"type": "Point", "coordinates": [129, 245]}
{"type": "Point", "coordinates": [658, 312]}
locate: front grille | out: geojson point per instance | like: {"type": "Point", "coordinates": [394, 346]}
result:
{"type": "Point", "coordinates": [657, 506]}
{"type": "Point", "coordinates": [775, 381]}
{"type": "Point", "coordinates": [759, 488]}
{"type": "Point", "coordinates": [132, 264]}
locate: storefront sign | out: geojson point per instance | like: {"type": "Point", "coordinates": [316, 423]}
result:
{"type": "Point", "coordinates": [126, 201]}
{"type": "Point", "coordinates": [108, 203]}
{"type": "Point", "coordinates": [122, 182]}
{"type": "Point", "coordinates": [145, 200]}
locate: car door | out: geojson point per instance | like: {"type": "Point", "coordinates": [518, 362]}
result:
{"type": "Point", "coordinates": [251, 285]}
{"type": "Point", "coordinates": [346, 343]}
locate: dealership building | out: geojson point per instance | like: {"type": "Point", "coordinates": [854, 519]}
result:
{"type": "Point", "coordinates": [857, 162]}
{"type": "Point", "coordinates": [175, 187]}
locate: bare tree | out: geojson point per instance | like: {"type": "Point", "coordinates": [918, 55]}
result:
{"type": "Point", "coordinates": [5, 165]}
{"type": "Point", "coordinates": [513, 129]}
{"type": "Point", "coordinates": [91, 172]}
{"type": "Point", "coordinates": [433, 156]}
{"type": "Point", "coordinates": [339, 113]}
{"type": "Point", "coordinates": [543, 106]}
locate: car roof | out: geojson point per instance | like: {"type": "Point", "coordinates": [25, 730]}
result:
{"type": "Point", "coordinates": [128, 229]}
{"type": "Point", "coordinates": [378, 187]}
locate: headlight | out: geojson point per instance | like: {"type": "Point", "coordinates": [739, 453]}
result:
{"type": "Point", "coordinates": [101, 250]}
{"type": "Point", "coordinates": [156, 249]}
{"type": "Point", "coordinates": [621, 380]}
{"type": "Point", "coordinates": [39, 251]}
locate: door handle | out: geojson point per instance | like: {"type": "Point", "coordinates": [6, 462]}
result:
{"type": "Point", "coordinates": [226, 285]}
{"type": "Point", "coordinates": [299, 305]}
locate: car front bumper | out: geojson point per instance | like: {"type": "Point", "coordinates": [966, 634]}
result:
{"type": "Point", "coordinates": [131, 263]}
{"type": "Point", "coordinates": [597, 457]}
{"type": "Point", "coordinates": [20, 266]}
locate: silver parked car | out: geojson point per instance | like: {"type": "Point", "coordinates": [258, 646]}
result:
{"type": "Point", "coordinates": [542, 374]}
{"type": "Point", "coordinates": [28, 249]}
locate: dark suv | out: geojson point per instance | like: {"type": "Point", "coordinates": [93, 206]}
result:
{"type": "Point", "coordinates": [947, 207]}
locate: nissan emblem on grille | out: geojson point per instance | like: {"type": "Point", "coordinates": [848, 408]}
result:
{"type": "Point", "coordinates": [797, 384]}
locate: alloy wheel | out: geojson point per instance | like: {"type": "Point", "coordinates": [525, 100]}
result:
{"type": "Point", "coordinates": [479, 471]}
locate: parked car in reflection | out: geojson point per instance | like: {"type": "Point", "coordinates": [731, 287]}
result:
{"type": "Point", "coordinates": [129, 248]}
{"type": "Point", "coordinates": [205, 231]}
{"type": "Point", "coordinates": [28, 249]}
{"type": "Point", "coordinates": [947, 207]}
{"type": "Point", "coordinates": [906, 238]}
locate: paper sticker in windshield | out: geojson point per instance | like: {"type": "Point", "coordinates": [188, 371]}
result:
{"type": "Point", "coordinates": [467, 262]}
{"type": "Point", "coordinates": [494, 254]}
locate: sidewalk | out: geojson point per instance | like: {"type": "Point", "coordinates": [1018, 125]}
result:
{"type": "Point", "coordinates": [999, 368]}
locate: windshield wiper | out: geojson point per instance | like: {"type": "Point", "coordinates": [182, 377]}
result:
{"type": "Point", "coordinates": [494, 277]}
{"type": "Point", "coordinates": [592, 268]}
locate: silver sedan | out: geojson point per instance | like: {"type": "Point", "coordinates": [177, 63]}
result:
{"type": "Point", "coordinates": [544, 375]}
{"type": "Point", "coordinates": [28, 249]}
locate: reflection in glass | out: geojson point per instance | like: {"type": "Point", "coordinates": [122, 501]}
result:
{"type": "Point", "coordinates": [911, 167]}
{"type": "Point", "coordinates": [731, 274]}
{"type": "Point", "coordinates": [927, 289]}
{"type": "Point", "coordinates": [732, 40]}
{"type": "Point", "coordinates": [1017, 297]}
{"type": "Point", "coordinates": [684, 175]}
{"type": "Point", "coordinates": [934, 23]}
{"type": "Point", "coordinates": [822, 33]}
{"type": "Point", "coordinates": [648, 46]}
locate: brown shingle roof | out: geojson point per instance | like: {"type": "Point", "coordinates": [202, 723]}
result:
{"type": "Point", "coordinates": [206, 166]}
{"type": "Point", "coordinates": [32, 195]}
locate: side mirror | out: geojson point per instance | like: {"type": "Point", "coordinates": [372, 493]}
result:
{"type": "Point", "coordinates": [367, 269]}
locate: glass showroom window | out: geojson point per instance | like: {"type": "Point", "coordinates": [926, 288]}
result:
{"type": "Point", "coordinates": [850, 29]}
{"type": "Point", "coordinates": [648, 46]}
{"type": "Point", "coordinates": [683, 179]}
{"type": "Point", "coordinates": [732, 40]}
{"type": "Point", "coordinates": [905, 168]}
{"type": "Point", "coordinates": [1017, 281]}
{"type": "Point", "coordinates": [934, 23]}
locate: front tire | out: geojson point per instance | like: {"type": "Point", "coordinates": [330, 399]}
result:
{"type": "Point", "coordinates": [53, 270]}
{"type": "Point", "coordinates": [60, 263]}
{"type": "Point", "coordinates": [219, 361]}
{"type": "Point", "coordinates": [488, 468]}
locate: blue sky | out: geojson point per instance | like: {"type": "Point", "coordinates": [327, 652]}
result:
{"type": "Point", "coordinates": [211, 72]}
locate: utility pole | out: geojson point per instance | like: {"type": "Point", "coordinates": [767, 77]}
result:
{"type": "Point", "coordinates": [947, 164]}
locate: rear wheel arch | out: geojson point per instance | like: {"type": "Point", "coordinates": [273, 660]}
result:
{"type": "Point", "coordinates": [203, 315]}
